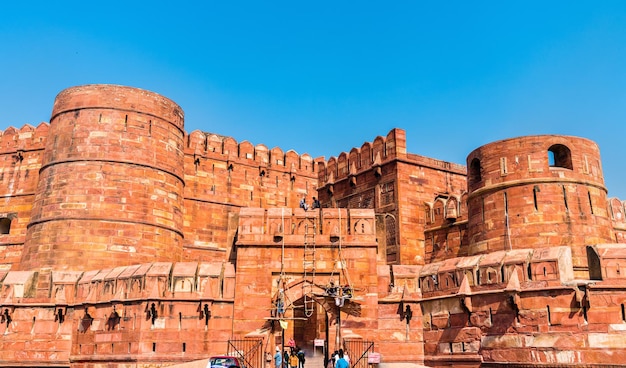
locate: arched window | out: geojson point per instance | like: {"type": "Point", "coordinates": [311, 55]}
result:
{"type": "Point", "coordinates": [560, 156]}
{"type": "Point", "coordinates": [474, 172]}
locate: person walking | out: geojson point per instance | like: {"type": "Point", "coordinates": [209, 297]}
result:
{"type": "Point", "coordinates": [268, 359]}
{"type": "Point", "coordinates": [293, 360]}
{"type": "Point", "coordinates": [301, 359]}
{"type": "Point", "coordinates": [278, 358]}
{"type": "Point", "coordinates": [341, 361]}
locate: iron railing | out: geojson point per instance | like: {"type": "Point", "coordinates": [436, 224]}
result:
{"type": "Point", "coordinates": [250, 351]}
{"type": "Point", "coordinates": [358, 352]}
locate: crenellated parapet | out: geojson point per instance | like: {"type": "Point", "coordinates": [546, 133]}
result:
{"type": "Point", "coordinates": [202, 145]}
{"type": "Point", "coordinates": [494, 307]}
{"type": "Point", "coordinates": [27, 138]}
{"type": "Point", "coordinates": [371, 155]}
{"type": "Point", "coordinates": [154, 281]}
{"type": "Point", "coordinates": [445, 209]}
{"type": "Point", "coordinates": [533, 268]}
{"type": "Point", "coordinates": [111, 313]}
{"type": "Point", "coordinates": [617, 214]}
{"type": "Point", "coordinates": [445, 230]}
{"type": "Point", "coordinates": [21, 156]}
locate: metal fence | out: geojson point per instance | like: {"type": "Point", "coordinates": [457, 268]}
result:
{"type": "Point", "coordinates": [358, 351]}
{"type": "Point", "coordinates": [250, 351]}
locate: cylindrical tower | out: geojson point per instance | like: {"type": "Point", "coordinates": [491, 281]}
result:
{"type": "Point", "coordinates": [535, 192]}
{"type": "Point", "coordinates": [110, 189]}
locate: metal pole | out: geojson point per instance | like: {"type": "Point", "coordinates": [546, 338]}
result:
{"type": "Point", "coordinates": [338, 339]}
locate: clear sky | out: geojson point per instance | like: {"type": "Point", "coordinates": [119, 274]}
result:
{"type": "Point", "coordinates": [321, 77]}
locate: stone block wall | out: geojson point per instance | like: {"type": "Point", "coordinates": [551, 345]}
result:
{"type": "Point", "coordinates": [21, 153]}
{"type": "Point", "coordinates": [222, 176]}
{"type": "Point", "coordinates": [110, 187]}
{"type": "Point", "coordinates": [126, 241]}
{"type": "Point", "coordinates": [381, 175]}
{"type": "Point", "coordinates": [537, 191]}
{"type": "Point", "coordinates": [149, 313]}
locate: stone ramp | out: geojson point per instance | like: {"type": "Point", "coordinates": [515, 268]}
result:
{"type": "Point", "coordinates": [195, 364]}
{"type": "Point", "coordinates": [311, 362]}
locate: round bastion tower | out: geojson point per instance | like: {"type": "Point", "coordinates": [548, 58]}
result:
{"type": "Point", "coordinates": [537, 192]}
{"type": "Point", "coordinates": [110, 189]}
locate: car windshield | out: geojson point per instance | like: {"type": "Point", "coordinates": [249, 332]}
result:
{"type": "Point", "coordinates": [224, 362]}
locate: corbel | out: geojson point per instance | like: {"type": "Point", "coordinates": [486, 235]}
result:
{"type": "Point", "coordinates": [352, 180]}
{"type": "Point", "coordinates": [407, 314]}
{"type": "Point", "coordinates": [59, 314]}
{"type": "Point", "coordinates": [118, 311]}
{"type": "Point", "coordinates": [5, 317]}
{"type": "Point", "coordinates": [582, 296]}
{"type": "Point", "coordinates": [85, 321]}
{"type": "Point", "coordinates": [152, 312]}
{"type": "Point", "coordinates": [19, 156]}
{"type": "Point", "coordinates": [205, 312]}
{"type": "Point", "coordinates": [466, 304]}
{"type": "Point", "coordinates": [515, 301]}
{"type": "Point", "coordinates": [378, 171]}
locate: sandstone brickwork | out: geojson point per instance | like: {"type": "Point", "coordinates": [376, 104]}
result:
{"type": "Point", "coordinates": [127, 242]}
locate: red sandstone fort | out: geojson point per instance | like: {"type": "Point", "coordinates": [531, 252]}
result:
{"type": "Point", "coordinates": [127, 242]}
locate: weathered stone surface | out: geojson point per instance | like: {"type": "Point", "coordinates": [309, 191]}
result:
{"type": "Point", "coordinates": [125, 241]}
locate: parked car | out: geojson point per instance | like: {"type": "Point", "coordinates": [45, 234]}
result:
{"type": "Point", "coordinates": [225, 361]}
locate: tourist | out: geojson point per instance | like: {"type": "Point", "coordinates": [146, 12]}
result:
{"type": "Point", "coordinates": [333, 359]}
{"type": "Point", "coordinates": [303, 204]}
{"type": "Point", "coordinates": [341, 361]}
{"type": "Point", "coordinates": [268, 359]}
{"type": "Point", "coordinates": [301, 358]}
{"type": "Point", "coordinates": [278, 358]}
{"type": "Point", "coordinates": [316, 203]}
{"type": "Point", "coordinates": [294, 360]}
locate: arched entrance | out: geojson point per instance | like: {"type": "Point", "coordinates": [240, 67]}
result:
{"type": "Point", "coordinates": [305, 326]}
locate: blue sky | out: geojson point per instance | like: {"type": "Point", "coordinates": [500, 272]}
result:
{"type": "Point", "coordinates": [322, 77]}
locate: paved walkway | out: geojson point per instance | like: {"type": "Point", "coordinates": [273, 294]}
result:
{"type": "Point", "coordinates": [314, 361]}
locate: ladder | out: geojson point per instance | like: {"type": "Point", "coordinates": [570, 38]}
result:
{"type": "Point", "coordinates": [310, 229]}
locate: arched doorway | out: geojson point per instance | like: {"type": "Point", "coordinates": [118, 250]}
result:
{"type": "Point", "coordinates": [324, 323]}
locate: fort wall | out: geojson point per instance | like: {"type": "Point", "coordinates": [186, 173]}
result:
{"type": "Point", "coordinates": [223, 176]}
{"type": "Point", "coordinates": [125, 241]}
{"type": "Point", "coordinates": [381, 175]}
{"type": "Point", "coordinates": [111, 185]}
{"type": "Point", "coordinates": [537, 191]}
{"type": "Point", "coordinates": [155, 312]}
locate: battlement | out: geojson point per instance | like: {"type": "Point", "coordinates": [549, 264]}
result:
{"type": "Point", "coordinates": [154, 281]}
{"type": "Point", "coordinates": [372, 155]}
{"type": "Point", "coordinates": [208, 145]}
{"type": "Point", "coordinates": [24, 139]}
{"type": "Point", "coordinates": [369, 155]}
